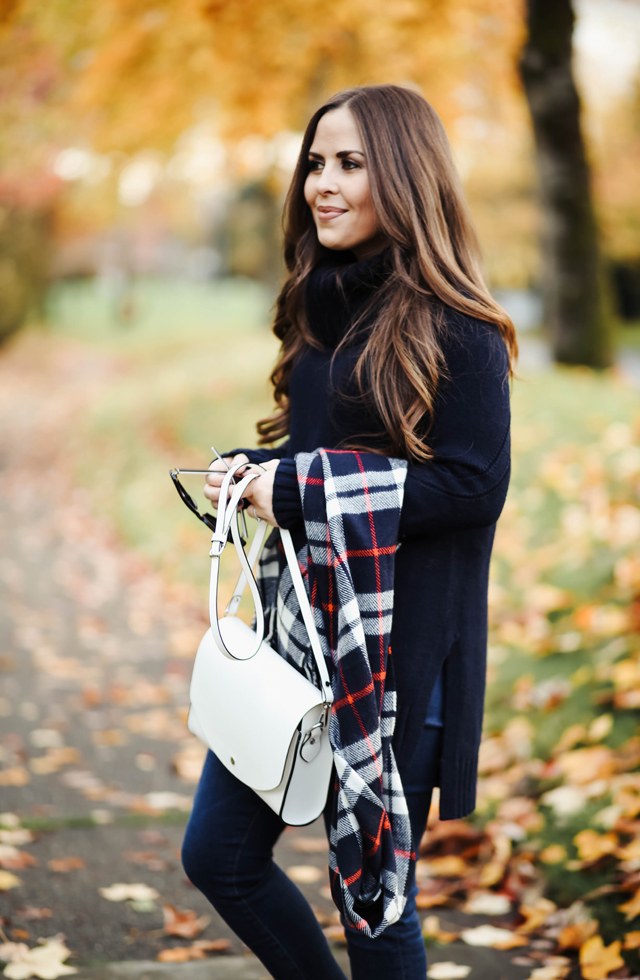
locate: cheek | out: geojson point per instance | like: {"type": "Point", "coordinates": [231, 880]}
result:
{"type": "Point", "coordinates": [309, 190]}
{"type": "Point", "coordinates": [361, 200]}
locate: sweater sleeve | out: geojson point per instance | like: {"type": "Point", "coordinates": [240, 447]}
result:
{"type": "Point", "coordinates": [465, 484]}
{"type": "Point", "coordinates": [286, 501]}
{"type": "Point", "coordinates": [263, 454]}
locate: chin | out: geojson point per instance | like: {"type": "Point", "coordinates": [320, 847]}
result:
{"type": "Point", "coordinates": [330, 241]}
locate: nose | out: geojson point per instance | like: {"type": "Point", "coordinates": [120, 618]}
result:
{"type": "Point", "coordinates": [326, 182]}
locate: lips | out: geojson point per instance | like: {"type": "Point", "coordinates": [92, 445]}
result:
{"type": "Point", "coordinates": [326, 213]}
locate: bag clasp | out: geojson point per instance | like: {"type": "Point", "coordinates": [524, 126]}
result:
{"type": "Point", "coordinates": [312, 739]}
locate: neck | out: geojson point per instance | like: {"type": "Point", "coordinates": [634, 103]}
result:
{"type": "Point", "coordinates": [371, 247]}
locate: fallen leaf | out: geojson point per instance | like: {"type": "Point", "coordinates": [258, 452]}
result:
{"type": "Point", "coordinates": [109, 736]}
{"type": "Point", "coordinates": [322, 917]}
{"type": "Point", "coordinates": [570, 737]}
{"type": "Point", "coordinates": [550, 972]}
{"type": "Point", "coordinates": [600, 727]}
{"type": "Point", "coordinates": [632, 940]}
{"type": "Point", "coordinates": [11, 951]}
{"type": "Point", "coordinates": [167, 800]}
{"type": "Point", "coordinates": [33, 912]}
{"type": "Point", "coordinates": [189, 761]}
{"type": "Point", "coordinates": [309, 845]}
{"type": "Point", "coordinates": [522, 811]}
{"type": "Point", "coordinates": [431, 929]}
{"type": "Point", "coordinates": [449, 866]}
{"type": "Point", "coordinates": [492, 936]}
{"type": "Point", "coordinates": [213, 945]}
{"type": "Point", "coordinates": [183, 922]}
{"type": "Point", "coordinates": [630, 852]}
{"type": "Point", "coordinates": [554, 854]}
{"type": "Point", "coordinates": [15, 776]}
{"type": "Point", "coordinates": [448, 971]}
{"type": "Point", "coordinates": [45, 961]}
{"type": "Point", "coordinates": [181, 954]}
{"type": "Point", "coordinates": [8, 880]}
{"type": "Point", "coordinates": [627, 797]}
{"type": "Point", "coordinates": [150, 859]}
{"type": "Point", "coordinates": [492, 873]}
{"type": "Point", "coordinates": [152, 836]}
{"type": "Point", "coordinates": [632, 907]}
{"type": "Point", "coordinates": [593, 846]}
{"type": "Point", "coordinates": [17, 837]}
{"type": "Point", "coordinates": [65, 864]}
{"type": "Point", "coordinates": [305, 874]}
{"type": "Point", "coordinates": [137, 892]}
{"type": "Point", "coordinates": [335, 934]}
{"type": "Point", "coordinates": [44, 765]}
{"type": "Point", "coordinates": [15, 860]}
{"type": "Point", "coordinates": [583, 766]}
{"type": "Point", "coordinates": [574, 936]}
{"type": "Point", "coordinates": [431, 898]}
{"type": "Point", "coordinates": [143, 905]}
{"type": "Point", "coordinates": [535, 915]}
{"type": "Point", "coordinates": [9, 819]}
{"type": "Point", "coordinates": [597, 960]}
{"type": "Point", "coordinates": [455, 833]}
{"type": "Point", "coordinates": [565, 800]}
{"type": "Point", "coordinates": [487, 903]}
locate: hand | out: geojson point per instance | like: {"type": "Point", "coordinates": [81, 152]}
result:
{"type": "Point", "coordinates": [215, 477]}
{"type": "Point", "coordinates": [259, 493]}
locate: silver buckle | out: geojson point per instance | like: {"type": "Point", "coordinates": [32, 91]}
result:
{"type": "Point", "coordinates": [311, 743]}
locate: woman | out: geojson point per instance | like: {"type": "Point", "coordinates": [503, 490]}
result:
{"type": "Point", "coordinates": [391, 344]}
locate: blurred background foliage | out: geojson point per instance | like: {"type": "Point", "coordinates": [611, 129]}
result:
{"type": "Point", "coordinates": [157, 139]}
{"type": "Point", "coordinates": [145, 149]}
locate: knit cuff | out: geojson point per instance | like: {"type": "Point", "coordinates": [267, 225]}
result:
{"type": "Point", "coordinates": [286, 503]}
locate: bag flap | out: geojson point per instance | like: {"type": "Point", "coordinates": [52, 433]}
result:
{"type": "Point", "coordinates": [249, 710]}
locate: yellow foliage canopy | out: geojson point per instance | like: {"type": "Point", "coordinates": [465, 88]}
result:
{"type": "Point", "coordinates": [137, 73]}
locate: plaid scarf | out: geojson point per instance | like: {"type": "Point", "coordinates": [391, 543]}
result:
{"type": "Point", "coordinates": [351, 506]}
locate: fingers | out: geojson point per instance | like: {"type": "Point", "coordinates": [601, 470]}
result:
{"type": "Point", "coordinates": [212, 493]}
{"type": "Point", "coordinates": [219, 469]}
{"type": "Point", "coordinates": [217, 473]}
{"type": "Point", "coordinates": [260, 495]}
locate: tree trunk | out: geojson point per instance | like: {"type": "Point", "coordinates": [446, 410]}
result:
{"type": "Point", "coordinates": [571, 279]}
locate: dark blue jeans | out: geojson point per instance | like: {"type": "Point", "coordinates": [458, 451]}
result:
{"type": "Point", "coordinates": [228, 854]}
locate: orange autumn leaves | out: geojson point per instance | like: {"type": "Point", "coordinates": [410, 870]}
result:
{"type": "Point", "coordinates": [299, 53]}
{"type": "Point", "coordinates": [562, 749]}
{"type": "Point", "coordinates": [598, 960]}
{"type": "Point", "coordinates": [187, 924]}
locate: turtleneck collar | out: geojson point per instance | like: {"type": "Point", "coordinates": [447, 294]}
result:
{"type": "Point", "coordinates": [337, 289]}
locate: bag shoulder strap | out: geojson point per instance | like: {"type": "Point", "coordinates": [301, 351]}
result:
{"type": "Point", "coordinates": [307, 613]}
{"type": "Point", "coordinates": [227, 520]}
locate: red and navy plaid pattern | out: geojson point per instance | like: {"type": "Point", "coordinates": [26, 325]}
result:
{"type": "Point", "coordinates": [351, 504]}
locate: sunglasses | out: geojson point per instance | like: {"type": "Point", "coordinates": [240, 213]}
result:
{"type": "Point", "coordinates": [208, 519]}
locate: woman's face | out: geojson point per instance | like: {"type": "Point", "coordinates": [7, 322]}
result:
{"type": "Point", "coordinates": [337, 187]}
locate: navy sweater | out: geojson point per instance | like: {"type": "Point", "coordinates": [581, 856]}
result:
{"type": "Point", "coordinates": [451, 505]}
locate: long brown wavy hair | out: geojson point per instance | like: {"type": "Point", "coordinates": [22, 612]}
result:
{"type": "Point", "coordinates": [434, 262]}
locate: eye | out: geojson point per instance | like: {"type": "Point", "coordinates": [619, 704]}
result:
{"type": "Point", "coordinates": [314, 166]}
{"type": "Point", "coordinates": [350, 165]}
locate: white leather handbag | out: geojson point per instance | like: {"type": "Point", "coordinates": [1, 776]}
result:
{"type": "Point", "coordinates": [260, 716]}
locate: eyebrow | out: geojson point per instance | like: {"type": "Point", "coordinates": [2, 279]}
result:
{"type": "Point", "coordinates": [341, 154]}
